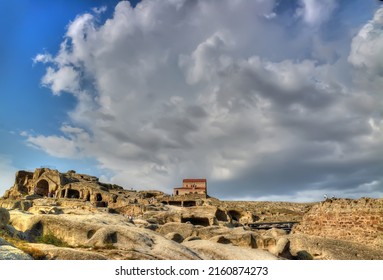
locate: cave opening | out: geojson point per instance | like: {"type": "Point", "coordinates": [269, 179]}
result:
{"type": "Point", "coordinates": [189, 203]}
{"type": "Point", "coordinates": [196, 221]}
{"type": "Point", "coordinates": [235, 215]}
{"type": "Point", "coordinates": [42, 188]}
{"type": "Point", "coordinates": [73, 194]}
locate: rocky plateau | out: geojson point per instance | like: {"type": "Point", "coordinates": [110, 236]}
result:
{"type": "Point", "coordinates": [68, 216]}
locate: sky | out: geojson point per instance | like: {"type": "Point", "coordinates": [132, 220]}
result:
{"type": "Point", "coordinates": [266, 99]}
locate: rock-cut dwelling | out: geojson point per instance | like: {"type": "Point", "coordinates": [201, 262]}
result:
{"type": "Point", "coordinates": [192, 186]}
{"type": "Point", "coordinates": [45, 182]}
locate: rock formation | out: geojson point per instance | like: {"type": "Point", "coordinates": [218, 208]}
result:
{"type": "Point", "coordinates": [45, 182]}
{"type": "Point", "coordinates": [51, 215]}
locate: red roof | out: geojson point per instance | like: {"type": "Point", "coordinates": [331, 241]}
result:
{"type": "Point", "coordinates": [197, 188]}
{"type": "Point", "coordinates": [194, 180]}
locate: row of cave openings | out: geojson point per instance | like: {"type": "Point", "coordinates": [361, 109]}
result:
{"type": "Point", "coordinates": [42, 189]}
{"type": "Point", "coordinates": [181, 203]}
{"type": "Point", "coordinates": [231, 216]}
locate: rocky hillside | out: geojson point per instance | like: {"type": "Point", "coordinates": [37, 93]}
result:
{"type": "Point", "coordinates": [51, 215]}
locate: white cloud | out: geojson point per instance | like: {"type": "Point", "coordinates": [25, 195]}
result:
{"type": "Point", "coordinates": [63, 79]}
{"type": "Point", "coordinates": [270, 16]}
{"type": "Point", "coordinates": [100, 10]}
{"type": "Point", "coordinates": [315, 12]}
{"type": "Point", "coordinates": [72, 145]}
{"type": "Point", "coordinates": [44, 58]}
{"type": "Point", "coordinates": [56, 146]}
{"type": "Point", "coordinates": [207, 59]}
{"type": "Point", "coordinates": [175, 89]}
{"type": "Point", "coordinates": [367, 46]}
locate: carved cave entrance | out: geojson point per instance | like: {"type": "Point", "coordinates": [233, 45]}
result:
{"type": "Point", "coordinates": [189, 203]}
{"type": "Point", "coordinates": [100, 202]}
{"type": "Point", "coordinates": [175, 203]}
{"type": "Point", "coordinates": [221, 215]}
{"type": "Point", "coordinates": [98, 197]}
{"type": "Point", "coordinates": [73, 194]}
{"type": "Point", "coordinates": [42, 188]}
{"type": "Point", "coordinates": [197, 221]}
{"type": "Point", "coordinates": [235, 215]}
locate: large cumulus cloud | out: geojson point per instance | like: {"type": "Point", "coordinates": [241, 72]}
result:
{"type": "Point", "coordinates": [175, 89]}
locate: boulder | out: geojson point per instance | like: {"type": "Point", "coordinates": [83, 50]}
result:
{"type": "Point", "coordinates": [134, 239]}
{"type": "Point", "coordinates": [281, 248]}
{"type": "Point", "coordinates": [103, 231]}
{"type": "Point", "coordinates": [8, 252]}
{"type": "Point", "coordinates": [266, 243]}
{"type": "Point", "coordinates": [185, 230]}
{"type": "Point", "coordinates": [211, 231]}
{"type": "Point", "coordinates": [72, 231]}
{"type": "Point", "coordinates": [243, 239]}
{"type": "Point", "coordinates": [246, 239]}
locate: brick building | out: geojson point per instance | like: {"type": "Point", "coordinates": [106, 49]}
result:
{"type": "Point", "coordinates": [192, 186]}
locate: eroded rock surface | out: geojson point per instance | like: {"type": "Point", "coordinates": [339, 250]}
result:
{"type": "Point", "coordinates": [8, 252]}
{"type": "Point", "coordinates": [210, 250]}
{"type": "Point", "coordinates": [53, 215]}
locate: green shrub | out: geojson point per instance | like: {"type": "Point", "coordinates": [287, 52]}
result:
{"type": "Point", "coordinates": [50, 238]}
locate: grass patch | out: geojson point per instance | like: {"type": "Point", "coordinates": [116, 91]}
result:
{"type": "Point", "coordinates": [51, 239]}
{"type": "Point", "coordinates": [109, 246]}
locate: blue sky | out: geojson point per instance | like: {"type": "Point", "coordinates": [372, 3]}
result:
{"type": "Point", "coordinates": [270, 100]}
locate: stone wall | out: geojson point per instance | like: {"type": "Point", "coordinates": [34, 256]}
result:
{"type": "Point", "coordinates": [186, 191]}
{"type": "Point", "coordinates": [346, 219]}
